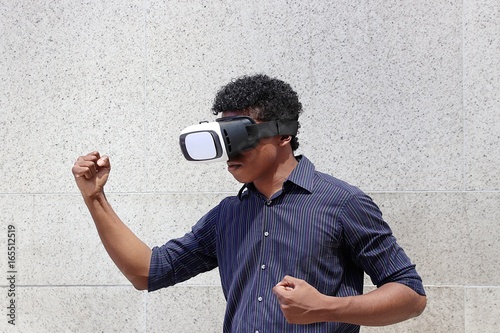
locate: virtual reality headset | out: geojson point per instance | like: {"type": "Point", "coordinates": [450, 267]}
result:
{"type": "Point", "coordinates": [229, 136]}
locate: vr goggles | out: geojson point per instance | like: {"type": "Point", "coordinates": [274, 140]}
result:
{"type": "Point", "coordinates": [229, 136]}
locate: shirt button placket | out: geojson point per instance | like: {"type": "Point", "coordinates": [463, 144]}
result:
{"type": "Point", "coordinates": [263, 266]}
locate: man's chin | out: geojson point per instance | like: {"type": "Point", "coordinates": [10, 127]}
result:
{"type": "Point", "coordinates": [238, 176]}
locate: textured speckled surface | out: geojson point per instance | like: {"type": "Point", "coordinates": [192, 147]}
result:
{"type": "Point", "coordinates": [399, 99]}
{"type": "Point", "coordinates": [482, 309]}
{"type": "Point", "coordinates": [78, 309]}
{"type": "Point", "coordinates": [186, 309]}
{"type": "Point", "coordinates": [483, 216]}
{"type": "Point", "coordinates": [481, 98]}
{"type": "Point", "coordinates": [76, 82]}
{"type": "Point", "coordinates": [60, 246]}
{"type": "Point", "coordinates": [387, 113]}
{"type": "Point", "coordinates": [432, 229]}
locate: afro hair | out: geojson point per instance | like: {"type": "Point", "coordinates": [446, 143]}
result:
{"type": "Point", "coordinates": [262, 97]}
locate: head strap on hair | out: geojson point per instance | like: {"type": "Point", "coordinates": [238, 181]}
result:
{"type": "Point", "coordinates": [272, 128]}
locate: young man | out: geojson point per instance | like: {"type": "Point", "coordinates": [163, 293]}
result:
{"type": "Point", "coordinates": [291, 247]}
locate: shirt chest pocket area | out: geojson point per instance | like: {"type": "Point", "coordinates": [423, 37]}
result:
{"type": "Point", "coordinates": [308, 247]}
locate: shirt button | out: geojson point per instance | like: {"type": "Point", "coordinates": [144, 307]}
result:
{"type": "Point", "coordinates": [259, 299]}
{"type": "Point", "coordinates": [269, 202]}
{"type": "Point", "coordinates": [257, 332]}
{"type": "Point", "coordinates": [266, 233]}
{"type": "Point", "coordinates": [263, 266]}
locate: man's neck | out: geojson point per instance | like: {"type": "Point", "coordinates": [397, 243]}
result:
{"type": "Point", "coordinates": [268, 187]}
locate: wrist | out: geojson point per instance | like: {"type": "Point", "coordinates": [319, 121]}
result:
{"type": "Point", "coordinates": [332, 308]}
{"type": "Point", "coordinates": [95, 198]}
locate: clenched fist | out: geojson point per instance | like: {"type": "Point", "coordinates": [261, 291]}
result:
{"type": "Point", "coordinates": [299, 301]}
{"type": "Point", "coordinates": [91, 174]}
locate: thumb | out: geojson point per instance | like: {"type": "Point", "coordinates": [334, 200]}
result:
{"type": "Point", "coordinates": [286, 284]}
{"type": "Point", "coordinates": [103, 162]}
{"type": "Point", "coordinates": [289, 281]}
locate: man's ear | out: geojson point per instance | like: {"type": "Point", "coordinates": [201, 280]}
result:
{"type": "Point", "coordinates": [285, 139]}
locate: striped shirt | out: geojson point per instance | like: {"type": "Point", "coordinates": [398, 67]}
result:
{"type": "Point", "coordinates": [317, 228]}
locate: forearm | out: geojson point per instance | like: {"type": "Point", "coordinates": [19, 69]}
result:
{"type": "Point", "coordinates": [389, 304]}
{"type": "Point", "coordinates": [127, 251]}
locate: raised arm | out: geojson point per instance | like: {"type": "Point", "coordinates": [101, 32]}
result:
{"type": "Point", "coordinates": [128, 252]}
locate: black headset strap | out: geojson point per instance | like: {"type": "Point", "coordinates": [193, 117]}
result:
{"type": "Point", "coordinates": [272, 128]}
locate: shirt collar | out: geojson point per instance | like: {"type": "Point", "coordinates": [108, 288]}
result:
{"type": "Point", "coordinates": [302, 176]}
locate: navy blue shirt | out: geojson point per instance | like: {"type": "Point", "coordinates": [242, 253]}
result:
{"type": "Point", "coordinates": [317, 228]}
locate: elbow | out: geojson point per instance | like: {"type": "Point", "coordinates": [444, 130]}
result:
{"type": "Point", "coordinates": [139, 282]}
{"type": "Point", "coordinates": [420, 304]}
{"type": "Point", "coordinates": [138, 277]}
{"type": "Point", "coordinates": [140, 287]}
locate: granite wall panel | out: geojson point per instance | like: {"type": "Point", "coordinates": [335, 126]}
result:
{"type": "Point", "coordinates": [400, 99]}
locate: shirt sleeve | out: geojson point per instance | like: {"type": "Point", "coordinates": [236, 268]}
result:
{"type": "Point", "coordinates": [183, 258]}
{"type": "Point", "coordinates": [373, 246]}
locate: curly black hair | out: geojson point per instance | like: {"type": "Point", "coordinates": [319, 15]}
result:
{"type": "Point", "coordinates": [262, 97]}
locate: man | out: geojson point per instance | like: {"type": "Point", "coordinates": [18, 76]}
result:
{"type": "Point", "coordinates": [291, 247]}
